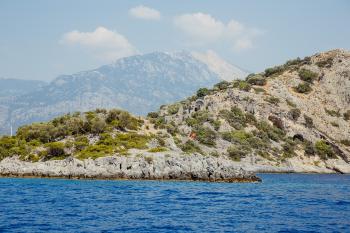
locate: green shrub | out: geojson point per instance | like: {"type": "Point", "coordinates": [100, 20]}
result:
{"type": "Point", "coordinates": [81, 142]}
{"type": "Point", "coordinates": [335, 124]}
{"type": "Point", "coordinates": [332, 113]}
{"type": "Point", "coordinates": [236, 153]}
{"type": "Point", "coordinates": [271, 132]}
{"type": "Point", "coordinates": [242, 85]}
{"type": "Point", "coordinates": [294, 113]}
{"type": "Point", "coordinates": [259, 90]}
{"type": "Point", "coordinates": [122, 120]}
{"type": "Point", "coordinates": [202, 116]}
{"type": "Point", "coordinates": [294, 62]}
{"type": "Point", "coordinates": [205, 135]}
{"type": "Point", "coordinates": [98, 125]}
{"type": "Point", "coordinates": [173, 109]}
{"type": "Point", "coordinates": [55, 149]}
{"type": "Point", "coordinates": [239, 136]}
{"type": "Point", "coordinates": [159, 122]}
{"type": "Point", "coordinates": [304, 88]}
{"type": "Point", "coordinates": [203, 92]}
{"type": "Point", "coordinates": [245, 139]}
{"type": "Point", "coordinates": [44, 132]}
{"type": "Point", "coordinates": [324, 150]}
{"type": "Point", "coordinates": [307, 75]}
{"type": "Point", "coordinates": [272, 100]}
{"type": "Point", "coordinates": [327, 63]}
{"type": "Point", "coordinates": [309, 123]}
{"type": "Point", "coordinates": [235, 117]}
{"type": "Point", "coordinates": [95, 151]}
{"type": "Point", "coordinates": [157, 149]}
{"type": "Point", "coordinates": [12, 146]}
{"type": "Point", "coordinates": [153, 115]}
{"type": "Point", "coordinates": [274, 71]}
{"type": "Point", "coordinates": [223, 85]}
{"type": "Point", "coordinates": [214, 154]}
{"type": "Point", "coordinates": [125, 140]}
{"type": "Point", "coordinates": [216, 124]}
{"type": "Point", "coordinates": [190, 147]}
{"type": "Point", "coordinates": [171, 128]}
{"type": "Point", "coordinates": [250, 118]}
{"type": "Point", "coordinates": [191, 121]}
{"type": "Point", "coordinates": [309, 148]}
{"type": "Point", "coordinates": [256, 79]}
{"type": "Point", "coordinates": [276, 121]}
{"type": "Point", "coordinates": [288, 148]}
{"type": "Point", "coordinates": [290, 103]}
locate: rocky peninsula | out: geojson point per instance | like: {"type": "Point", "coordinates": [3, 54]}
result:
{"type": "Point", "coordinates": [152, 167]}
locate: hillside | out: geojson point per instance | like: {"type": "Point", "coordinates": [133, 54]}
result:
{"type": "Point", "coordinates": [293, 117]}
{"type": "Point", "coordinates": [290, 118]}
{"type": "Point", "coordinates": [138, 84]}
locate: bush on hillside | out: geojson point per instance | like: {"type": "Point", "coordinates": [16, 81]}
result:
{"type": "Point", "coordinates": [222, 85]}
{"type": "Point", "coordinates": [303, 88]}
{"type": "Point", "coordinates": [205, 135]}
{"type": "Point", "coordinates": [236, 153]}
{"type": "Point", "coordinates": [173, 109]}
{"type": "Point", "coordinates": [307, 75]}
{"type": "Point", "coordinates": [242, 85]}
{"type": "Point", "coordinates": [256, 79]}
{"type": "Point", "coordinates": [324, 150]}
{"type": "Point", "coordinates": [203, 92]}
{"type": "Point", "coordinates": [294, 114]}
{"type": "Point", "coordinates": [309, 123]}
{"type": "Point", "coordinates": [272, 100]}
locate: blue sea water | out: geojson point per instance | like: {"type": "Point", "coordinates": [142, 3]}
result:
{"type": "Point", "coordinates": [281, 203]}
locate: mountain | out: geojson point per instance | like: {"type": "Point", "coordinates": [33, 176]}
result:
{"type": "Point", "coordinates": [13, 87]}
{"type": "Point", "coordinates": [138, 84]}
{"type": "Point", "coordinates": [9, 89]}
{"type": "Point", "coordinates": [293, 117]}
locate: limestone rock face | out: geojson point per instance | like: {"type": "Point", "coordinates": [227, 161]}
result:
{"type": "Point", "coordinates": [151, 167]}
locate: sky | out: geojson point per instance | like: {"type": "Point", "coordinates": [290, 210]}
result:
{"type": "Point", "coordinates": [42, 39]}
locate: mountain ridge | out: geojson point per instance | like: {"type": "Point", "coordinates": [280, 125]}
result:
{"type": "Point", "coordinates": [138, 83]}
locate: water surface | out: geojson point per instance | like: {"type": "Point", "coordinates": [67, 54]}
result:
{"type": "Point", "coordinates": [282, 203]}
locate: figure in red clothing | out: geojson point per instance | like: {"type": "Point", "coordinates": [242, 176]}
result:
{"type": "Point", "coordinates": [193, 135]}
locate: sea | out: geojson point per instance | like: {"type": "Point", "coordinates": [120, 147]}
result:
{"type": "Point", "coordinates": [280, 203]}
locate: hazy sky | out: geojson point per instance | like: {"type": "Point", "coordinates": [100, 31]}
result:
{"type": "Point", "coordinates": [43, 39]}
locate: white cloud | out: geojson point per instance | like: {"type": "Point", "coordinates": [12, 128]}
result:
{"type": "Point", "coordinates": [105, 44]}
{"type": "Point", "coordinates": [205, 29]}
{"type": "Point", "coordinates": [143, 12]}
{"type": "Point", "coordinates": [234, 28]}
{"type": "Point", "coordinates": [200, 26]}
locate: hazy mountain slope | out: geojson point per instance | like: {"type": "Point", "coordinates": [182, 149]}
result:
{"type": "Point", "coordinates": [9, 89]}
{"type": "Point", "coordinates": [219, 66]}
{"type": "Point", "coordinates": [138, 84]}
{"type": "Point", "coordinates": [12, 87]}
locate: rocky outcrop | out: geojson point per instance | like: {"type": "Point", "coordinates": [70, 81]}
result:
{"type": "Point", "coordinates": [151, 167]}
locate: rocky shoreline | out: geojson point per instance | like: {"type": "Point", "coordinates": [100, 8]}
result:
{"type": "Point", "coordinates": [152, 167]}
